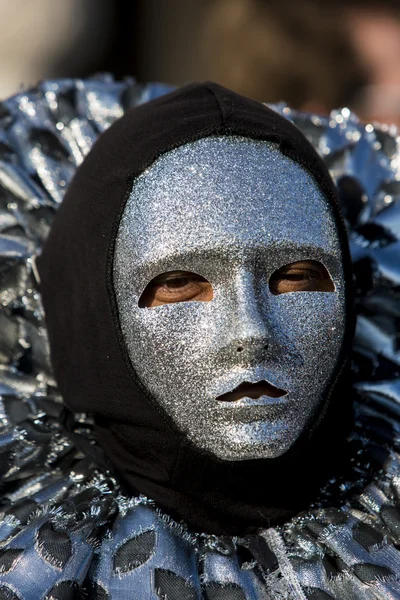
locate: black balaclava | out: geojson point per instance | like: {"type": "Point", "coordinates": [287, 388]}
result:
{"type": "Point", "coordinates": [89, 355]}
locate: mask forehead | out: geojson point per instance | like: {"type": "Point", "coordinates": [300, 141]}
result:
{"type": "Point", "coordinates": [223, 197]}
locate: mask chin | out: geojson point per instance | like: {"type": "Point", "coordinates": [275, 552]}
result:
{"type": "Point", "coordinates": [259, 439]}
{"type": "Point", "coordinates": [234, 212]}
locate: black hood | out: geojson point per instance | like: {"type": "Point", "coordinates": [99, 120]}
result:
{"type": "Point", "coordinates": [89, 357]}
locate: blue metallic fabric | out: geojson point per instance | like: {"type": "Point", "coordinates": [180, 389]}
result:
{"type": "Point", "coordinates": [66, 529]}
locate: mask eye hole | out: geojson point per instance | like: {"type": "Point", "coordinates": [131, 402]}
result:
{"type": "Point", "coordinates": [176, 286]}
{"type": "Point", "coordinates": [302, 276]}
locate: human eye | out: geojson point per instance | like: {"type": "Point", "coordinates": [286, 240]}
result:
{"type": "Point", "coordinates": [176, 286]}
{"type": "Point", "coordinates": [302, 276]}
{"type": "Point", "coordinates": [179, 281]}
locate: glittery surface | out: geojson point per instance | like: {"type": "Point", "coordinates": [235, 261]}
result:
{"type": "Point", "coordinates": [345, 546]}
{"type": "Point", "coordinates": [232, 210]}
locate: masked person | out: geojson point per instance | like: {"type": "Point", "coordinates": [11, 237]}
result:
{"type": "Point", "coordinates": [197, 285]}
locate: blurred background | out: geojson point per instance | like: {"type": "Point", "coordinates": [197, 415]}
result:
{"type": "Point", "coordinates": [312, 54]}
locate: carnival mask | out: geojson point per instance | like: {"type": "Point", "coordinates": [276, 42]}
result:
{"type": "Point", "coordinates": [241, 362]}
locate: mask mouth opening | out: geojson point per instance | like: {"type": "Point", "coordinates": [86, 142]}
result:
{"type": "Point", "coordinates": [253, 391]}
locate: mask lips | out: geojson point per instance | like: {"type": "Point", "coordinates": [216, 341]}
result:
{"type": "Point", "coordinates": [253, 391]}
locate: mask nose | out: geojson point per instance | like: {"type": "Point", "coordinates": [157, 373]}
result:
{"type": "Point", "coordinates": [250, 332]}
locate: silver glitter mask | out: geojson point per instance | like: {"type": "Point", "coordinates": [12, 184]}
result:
{"type": "Point", "coordinates": [232, 210]}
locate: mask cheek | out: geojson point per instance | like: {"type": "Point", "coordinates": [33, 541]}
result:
{"type": "Point", "coordinates": [165, 340]}
{"type": "Point", "coordinates": [314, 323]}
